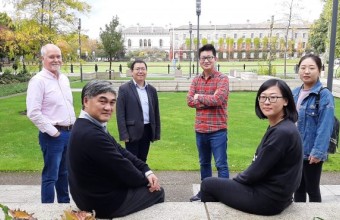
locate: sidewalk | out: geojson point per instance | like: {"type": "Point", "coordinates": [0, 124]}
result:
{"type": "Point", "coordinates": [22, 190]}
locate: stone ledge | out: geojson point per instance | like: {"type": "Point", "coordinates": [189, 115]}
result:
{"type": "Point", "coordinates": [192, 210]}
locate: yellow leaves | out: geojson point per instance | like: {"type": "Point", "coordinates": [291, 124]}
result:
{"type": "Point", "coordinates": [22, 215]}
{"type": "Point", "coordinates": [77, 215]}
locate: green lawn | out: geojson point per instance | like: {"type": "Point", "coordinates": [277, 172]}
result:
{"type": "Point", "coordinates": [165, 67]}
{"type": "Point", "coordinates": [176, 150]}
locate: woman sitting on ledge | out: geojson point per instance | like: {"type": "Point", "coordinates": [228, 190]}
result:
{"type": "Point", "coordinates": [266, 187]}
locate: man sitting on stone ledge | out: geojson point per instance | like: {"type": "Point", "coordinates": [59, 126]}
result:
{"type": "Point", "coordinates": [103, 176]}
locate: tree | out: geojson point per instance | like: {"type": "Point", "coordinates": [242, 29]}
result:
{"type": "Point", "coordinates": [112, 40]}
{"type": "Point", "coordinates": [318, 35]}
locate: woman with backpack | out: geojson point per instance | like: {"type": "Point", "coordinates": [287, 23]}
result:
{"type": "Point", "coordinates": [315, 106]}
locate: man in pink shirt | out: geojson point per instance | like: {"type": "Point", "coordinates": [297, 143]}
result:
{"type": "Point", "coordinates": [50, 107]}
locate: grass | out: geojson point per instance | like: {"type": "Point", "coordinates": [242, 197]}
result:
{"type": "Point", "coordinates": [165, 67]}
{"type": "Point", "coordinates": [176, 150]}
{"type": "Point", "coordinates": [9, 89]}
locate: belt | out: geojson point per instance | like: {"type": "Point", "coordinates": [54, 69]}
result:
{"type": "Point", "coordinates": [64, 128]}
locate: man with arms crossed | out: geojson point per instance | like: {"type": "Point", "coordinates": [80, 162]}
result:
{"type": "Point", "coordinates": [208, 93]}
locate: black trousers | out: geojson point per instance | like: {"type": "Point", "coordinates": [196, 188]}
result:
{"type": "Point", "coordinates": [138, 199]}
{"type": "Point", "coordinates": [141, 147]}
{"type": "Point", "coordinates": [310, 183]}
{"type": "Point", "coordinates": [239, 196]}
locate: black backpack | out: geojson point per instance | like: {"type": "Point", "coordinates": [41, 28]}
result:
{"type": "Point", "coordinates": [333, 142]}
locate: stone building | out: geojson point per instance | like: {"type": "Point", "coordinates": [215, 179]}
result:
{"type": "Point", "coordinates": [232, 41]}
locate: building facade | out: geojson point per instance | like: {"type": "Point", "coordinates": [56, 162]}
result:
{"type": "Point", "coordinates": [233, 41]}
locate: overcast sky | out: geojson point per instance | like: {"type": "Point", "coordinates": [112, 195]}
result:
{"type": "Point", "coordinates": [180, 12]}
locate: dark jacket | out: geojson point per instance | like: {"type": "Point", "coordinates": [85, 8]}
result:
{"type": "Point", "coordinates": [100, 170]}
{"type": "Point", "coordinates": [129, 111]}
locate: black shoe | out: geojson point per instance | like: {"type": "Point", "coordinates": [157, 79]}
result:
{"type": "Point", "coordinates": [196, 197]}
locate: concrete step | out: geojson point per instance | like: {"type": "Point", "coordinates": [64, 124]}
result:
{"type": "Point", "coordinates": [27, 197]}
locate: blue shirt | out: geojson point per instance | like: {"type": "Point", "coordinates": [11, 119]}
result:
{"type": "Point", "coordinates": [144, 100]}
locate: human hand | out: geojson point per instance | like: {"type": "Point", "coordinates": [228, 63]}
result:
{"type": "Point", "coordinates": [153, 183]}
{"type": "Point", "coordinates": [313, 160]}
{"type": "Point", "coordinates": [127, 140]}
{"type": "Point", "coordinates": [196, 96]}
{"type": "Point", "coordinates": [57, 134]}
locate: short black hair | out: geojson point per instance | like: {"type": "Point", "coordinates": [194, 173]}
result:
{"type": "Point", "coordinates": [138, 61]}
{"type": "Point", "coordinates": [96, 87]}
{"type": "Point", "coordinates": [314, 57]}
{"type": "Point", "coordinates": [290, 111]}
{"type": "Point", "coordinates": [207, 47]}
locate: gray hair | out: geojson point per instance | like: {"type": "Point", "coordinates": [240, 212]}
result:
{"type": "Point", "coordinates": [96, 87]}
{"type": "Point", "coordinates": [45, 47]}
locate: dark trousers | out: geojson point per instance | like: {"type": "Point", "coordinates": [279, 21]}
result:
{"type": "Point", "coordinates": [310, 183]}
{"type": "Point", "coordinates": [141, 147]}
{"type": "Point", "coordinates": [138, 199]}
{"type": "Point", "coordinates": [240, 196]}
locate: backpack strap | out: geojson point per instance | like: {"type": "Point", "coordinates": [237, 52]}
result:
{"type": "Point", "coordinates": [317, 99]}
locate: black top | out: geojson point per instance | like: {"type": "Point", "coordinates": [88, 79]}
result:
{"type": "Point", "coordinates": [277, 164]}
{"type": "Point", "coordinates": [100, 170]}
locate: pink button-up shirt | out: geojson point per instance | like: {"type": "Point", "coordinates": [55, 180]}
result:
{"type": "Point", "coordinates": [49, 102]}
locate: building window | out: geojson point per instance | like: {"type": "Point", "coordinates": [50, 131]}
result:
{"type": "Point", "coordinates": [216, 36]}
{"type": "Point", "coordinates": [304, 45]}
{"type": "Point", "coordinates": [244, 35]}
{"type": "Point", "coordinates": [160, 43]}
{"type": "Point", "coordinates": [243, 45]}
{"type": "Point", "coordinates": [304, 35]}
{"type": "Point", "coordinates": [184, 36]}
{"type": "Point", "coordinates": [129, 43]}
{"type": "Point", "coordinates": [277, 35]}
{"type": "Point", "coordinates": [235, 45]}
{"type": "Point", "coordinates": [140, 43]}
{"type": "Point", "coordinates": [235, 36]}
{"type": "Point", "coordinates": [208, 36]}
{"type": "Point", "coordinates": [176, 36]}
{"type": "Point", "coordinates": [252, 35]}
{"type": "Point", "coordinates": [149, 43]}
{"type": "Point", "coordinates": [224, 36]}
{"type": "Point", "coordinates": [296, 35]}
{"type": "Point", "coordinates": [261, 35]}
{"type": "Point", "coordinates": [145, 43]}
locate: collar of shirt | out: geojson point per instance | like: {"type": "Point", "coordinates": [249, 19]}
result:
{"type": "Point", "coordinates": [211, 75]}
{"type": "Point", "coordinates": [144, 87]}
{"type": "Point", "coordinates": [84, 114]}
{"type": "Point", "coordinates": [50, 74]}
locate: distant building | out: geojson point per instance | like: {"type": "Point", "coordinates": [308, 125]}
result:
{"type": "Point", "coordinates": [233, 41]}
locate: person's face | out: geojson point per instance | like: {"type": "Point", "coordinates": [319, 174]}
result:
{"type": "Point", "coordinates": [207, 61]}
{"type": "Point", "coordinates": [271, 103]}
{"type": "Point", "coordinates": [101, 106]}
{"type": "Point", "coordinates": [309, 72]}
{"type": "Point", "coordinates": [139, 73]}
{"type": "Point", "coordinates": [52, 59]}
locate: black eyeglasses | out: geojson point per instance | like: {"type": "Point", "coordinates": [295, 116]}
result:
{"type": "Point", "coordinates": [209, 58]}
{"type": "Point", "coordinates": [271, 99]}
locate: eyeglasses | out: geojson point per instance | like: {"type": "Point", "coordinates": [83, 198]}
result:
{"type": "Point", "coordinates": [271, 99]}
{"type": "Point", "coordinates": [209, 58]}
{"type": "Point", "coordinates": [139, 69]}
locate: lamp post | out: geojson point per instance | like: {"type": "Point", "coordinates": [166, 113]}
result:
{"type": "Point", "coordinates": [173, 48]}
{"type": "Point", "coordinates": [198, 12]}
{"type": "Point", "coordinates": [80, 66]}
{"type": "Point", "coordinates": [270, 46]}
{"type": "Point", "coordinates": [190, 31]}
